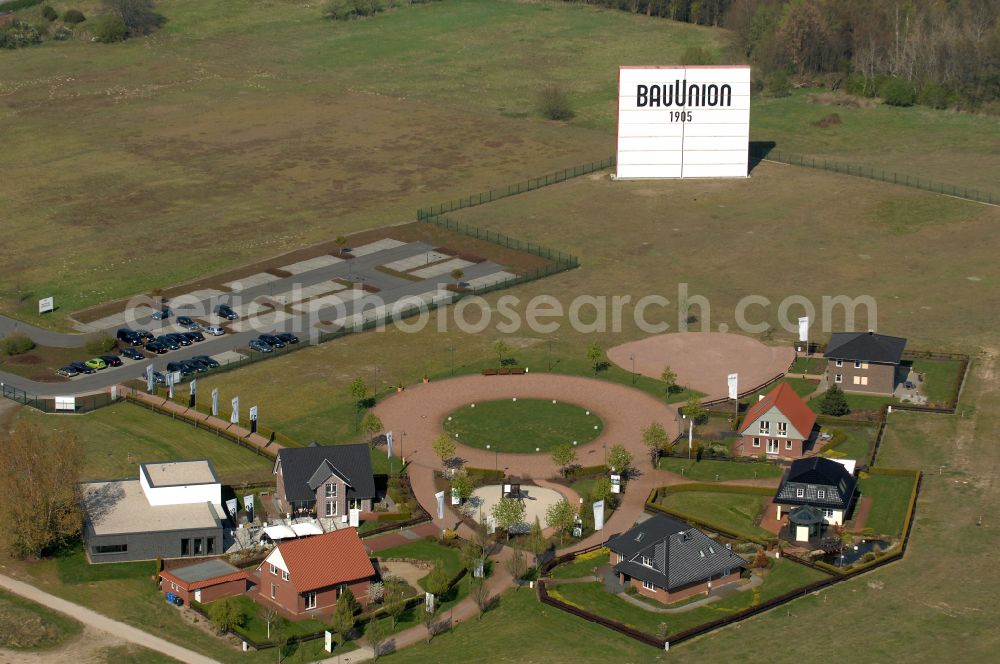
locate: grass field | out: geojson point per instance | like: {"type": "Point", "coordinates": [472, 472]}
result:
{"type": "Point", "coordinates": [856, 444]}
{"type": "Point", "coordinates": [940, 378]}
{"type": "Point", "coordinates": [26, 626]}
{"type": "Point", "coordinates": [808, 365]}
{"type": "Point", "coordinates": [132, 654]}
{"type": "Point", "coordinates": [890, 495]}
{"type": "Point", "coordinates": [736, 512]}
{"type": "Point", "coordinates": [525, 425]}
{"type": "Point", "coordinates": [118, 438]}
{"type": "Point", "coordinates": [708, 470]}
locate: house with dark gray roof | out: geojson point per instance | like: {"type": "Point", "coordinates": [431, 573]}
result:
{"type": "Point", "coordinates": [864, 361]}
{"type": "Point", "coordinates": [668, 560]}
{"type": "Point", "coordinates": [815, 486]}
{"type": "Point", "coordinates": [324, 480]}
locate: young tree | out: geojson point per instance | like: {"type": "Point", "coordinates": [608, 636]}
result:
{"type": "Point", "coordinates": [564, 456]}
{"type": "Point", "coordinates": [595, 353]}
{"type": "Point", "coordinates": [462, 484]}
{"type": "Point", "coordinates": [602, 490]}
{"type": "Point", "coordinates": [444, 447]}
{"type": "Point", "coordinates": [430, 622]}
{"type": "Point", "coordinates": [560, 516]}
{"type": "Point", "coordinates": [554, 104]}
{"type": "Point", "coordinates": [457, 274]}
{"type": "Point", "coordinates": [655, 438]}
{"type": "Point", "coordinates": [694, 411]}
{"type": "Point", "coordinates": [501, 348]}
{"type": "Point", "coordinates": [341, 242]}
{"type": "Point", "coordinates": [39, 498]}
{"type": "Point", "coordinates": [669, 376]}
{"type": "Point", "coordinates": [268, 614]}
{"type": "Point", "coordinates": [376, 592]}
{"type": "Point", "coordinates": [480, 593]}
{"type": "Point", "coordinates": [437, 580]}
{"type": "Point", "coordinates": [619, 459]}
{"type": "Point", "coordinates": [280, 639]}
{"type": "Point", "coordinates": [371, 425]}
{"type": "Point", "coordinates": [395, 597]}
{"type": "Point", "coordinates": [226, 615]}
{"type": "Point", "coordinates": [359, 392]}
{"type": "Point", "coordinates": [536, 540]}
{"type": "Point", "coordinates": [508, 513]}
{"type": "Point", "coordinates": [138, 16]}
{"type": "Point", "coordinates": [376, 633]}
{"type": "Point", "coordinates": [834, 402]}
{"type": "Point", "coordinates": [516, 565]}
{"type": "Point", "coordinates": [343, 615]}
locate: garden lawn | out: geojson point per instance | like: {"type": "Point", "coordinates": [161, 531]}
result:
{"type": "Point", "coordinates": [940, 379]}
{"type": "Point", "coordinates": [808, 365]}
{"type": "Point", "coordinates": [858, 403]}
{"type": "Point", "coordinates": [857, 443]}
{"type": "Point", "coordinates": [426, 550]}
{"type": "Point", "coordinates": [27, 626]}
{"type": "Point", "coordinates": [890, 496]}
{"type": "Point", "coordinates": [523, 425]}
{"type": "Point", "coordinates": [735, 512]}
{"type": "Point", "coordinates": [118, 438]}
{"type": "Point", "coordinates": [582, 565]}
{"type": "Point", "coordinates": [708, 470]}
{"type": "Point", "coordinates": [256, 629]}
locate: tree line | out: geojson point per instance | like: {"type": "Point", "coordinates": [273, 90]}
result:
{"type": "Point", "coordinates": [940, 53]}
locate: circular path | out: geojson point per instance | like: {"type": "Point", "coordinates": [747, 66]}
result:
{"type": "Point", "coordinates": [702, 360]}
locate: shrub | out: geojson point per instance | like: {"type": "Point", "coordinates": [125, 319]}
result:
{"type": "Point", "coordinates": [62, 33]}
{"type": "Point", "coordinates": [137, 16]}
{"type": "Point", "coordinates": [897, 92]}
{"type": "Point", "coordinates": [696, 55]}
{"type": "Point", "coordinates": [100, 345]}
{"type": "Point", "coordinates": [553, 103]}
{"type": "Point", "coordinates": [936, 96]}
{"type": "Point", "coordinates": [776, 84]}
{"type": "Point", "coordinates": [73, 16]}
{"type": "Point", "coordinates": [109, 29]}
{"type": "Point", "coordinates": [834, 402]}
{"type": "Point", "coordinates": [48, 13]}
{"type": "Point", "coordinates": [16, 343]}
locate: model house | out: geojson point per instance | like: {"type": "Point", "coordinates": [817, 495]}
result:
{"type": "Point", "coordinates": [174, 510]}
{"type": "Point", "coordinates": [815, 493]}
{"type": "Point", "coordinates": [324, 480]}
{"type": "Point", "coordinates": [204, 582]}
{"type": "Point", "coordinates": [780, 424]}
{"type": "Point", "coordinates": [669, 560]}
{"type": "Point", "coordinates": [304, 576]}
{"type": "Point", "coordinates": [864, 361]}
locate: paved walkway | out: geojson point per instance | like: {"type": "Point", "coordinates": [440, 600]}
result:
{"type": "Point", "coordinates": [103, 623]}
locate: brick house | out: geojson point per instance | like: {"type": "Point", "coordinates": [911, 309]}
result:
{"type": "Point", "coordinates": [780, 424]}
{"type": "Point", "coordinates": [304, 577]}
{"type": "Point", "coordinates": [325, 480]}
{"type": "Point", "coordinates": [864, 361]}
{"type": "Point", "coordinates": [815, 491]}
{"type": "Point", "coordinates": [204, 582]}
{"type": "Point", "coordinates": [669, 561]}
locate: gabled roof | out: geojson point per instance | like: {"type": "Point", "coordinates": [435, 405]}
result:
{"type": "Point", "coordinates": [303, 466]}
{"type": "Point", "coordinates": [791, 405]}
{"type": "Point", "coordinates": [865, 346]}
{"type": "Point", "coordinates": [813, 475]}
{"type": "Point", "coordinates": [324, 560]}
{"type": "Point", "coordinates": [678, 555]}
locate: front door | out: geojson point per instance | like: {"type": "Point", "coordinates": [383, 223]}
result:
{"type": "Point", "coordinates": [772, 446]}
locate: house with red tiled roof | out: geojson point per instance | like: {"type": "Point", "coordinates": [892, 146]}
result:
{"type": "Point", "coordinates": [779, 425]}
{"type": "Point", "coordinates": [305, 576]}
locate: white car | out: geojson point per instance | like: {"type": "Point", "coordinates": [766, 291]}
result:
{"type": "Point", "coordinates": [215, 330]}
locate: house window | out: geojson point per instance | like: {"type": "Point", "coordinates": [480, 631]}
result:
{"type": "Point", "coordinates": [310, 600]}
{"type": "Point", "coordinates": [772, 446]}
{"type": "Point", "coordinates": [274, 571]}
{"type": "Point", "coordinates": [864, 365]}
{"type": "Point", "coordinates": [821, 493]}
{"type": "Point", "coordinates": [111, 548]}
{"type": "Point", "coordinates": [765, 426]}
{"type": "Point", "coordinates": [198, 546]}
{"type": "Point", "coordinates": [211, 545]}
{"type": "Point", "coordinates": [647, 562]}
{"type": "Point", "coordinates": [331, 508]}
{"type": "Point", "coordinates": [284, 575]}
{"type": "Point", "coordinates": [782, 428]}
{"type": "Point", "coordinates": [355, 503]}
{"type": "Point", "coordinates": [828, 513]}
{"type": "Point", "coordinates": [840, 363]}
{"type": "Point", "coordinates": [648, 586]}
{"type": "Point", "coordinates": [274, 591]}
{"type": "Point", "coordinates": [839, 378]}
{"type": "Point", "coordinates": [185, 546]}
{"type": "Point", "coordinates": [756, 442]}
{"type": "Point", "coordinates": [331, 490]}
{"type": "Point", "coordinates": [861, 380]}
{"type": "Point", "coordinates": [857, 364]}
{"type": "Point", "coordinates": [788, 444]}
{"type": "Point", "coordinates": [800, 493]}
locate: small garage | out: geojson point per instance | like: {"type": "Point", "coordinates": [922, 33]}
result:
{"type": "Point", "coordinates": [204, 582]}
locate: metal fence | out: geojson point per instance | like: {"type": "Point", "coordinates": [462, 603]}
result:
{"type": "Point", "coordinates": [764, 152]}
{"type": "Point", "coordinates": [516, 188]}
{"type": "Point", "coordinates": [81, 404]}
{"type": "Point", "coordinates": [564, 261]}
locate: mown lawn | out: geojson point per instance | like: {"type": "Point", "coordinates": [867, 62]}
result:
{"type": "Point", "coordinates": [890, 495]}
{"type": "Point", "coordinates": [940, 379]}
{"type": "Point", "coordinates": [808, 365]}
{"type": "Point", "coordinates": [256, 628]}
{"type": "Point", "coordinates": [426, 550]}
{"type": "Point", "coordinates": [710, 470]}
{"type": "Point", "coordinates": [857, 443]}
{"type": "Point", "coordinates": [582, 565]}
{"type": "Point", "coordinates": [736, 512]}
{"type": "Point", "coordinates": [27, 626]}
{"type": "Point", "coordinates": [524, 425]}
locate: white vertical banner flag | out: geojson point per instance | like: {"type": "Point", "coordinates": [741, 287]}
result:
{"type": "Point", "coordinates": [388, 444]}
{"type": "Point", "coordinates": [149, 378]}
{"type": "Point", "coordinates": [170, 383]}
{"type": "Point", "coordinates": [734, 389]}
{"type": "Point", "coordinates": [235, 416]}
{"type": "Point", "coordinates": [455, 498]}
{"type": "Point", "coordinates": [231, 507]}
{"type": "Point", "coordinates": [194, 387]}
{"type": "Point", "coordinates": [215, 402]}
{"type": "Point", "coordinates": [429, 602]}
{"type": "Point", "coordinates": [599, 515]}
{"type": "Point", "coordinates": [804, 328]}
{"type": "Point", "coordinates": [248, 503]}
{"type": "Point", "coordinates": [253, 413]}
{"type": "Point", "coordinates": [440, 503]}
{"type": "Point", "coordinates": [355, 517]}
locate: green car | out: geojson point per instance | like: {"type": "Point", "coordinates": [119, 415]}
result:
{"type": "Point", "coordinates": [96, 363]}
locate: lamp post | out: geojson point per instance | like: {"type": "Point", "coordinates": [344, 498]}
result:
{"type": "Point", "coordinates": [632, 357]}
{"type": "Point", "coordinates": [452, 349]}
{"type": "Point", "coordinates": [690, 433]}
{"type": "Point", "coordinates": [496, 459]}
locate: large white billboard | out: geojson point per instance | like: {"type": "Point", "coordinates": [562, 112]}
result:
{"type": "Point", "coordinates": [683, 122]}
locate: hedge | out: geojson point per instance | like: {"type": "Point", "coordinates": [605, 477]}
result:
{"type": "Point", "coordinates": [715, 488]}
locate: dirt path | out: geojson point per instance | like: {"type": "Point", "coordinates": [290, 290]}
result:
{"type": "Point", "coordinates": [103, 623]}
{"type": "Point", "coordinates": [89, 647]}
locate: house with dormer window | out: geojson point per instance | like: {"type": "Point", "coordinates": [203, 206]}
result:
{"type": "Point", "coordinates": [779, 425]}
{"type": "Point", "coordinates": [815, 493]}
{"type": "Point", "coordinates": [324, 480]}
{"type": "Point", "coordinates": [668, 560]}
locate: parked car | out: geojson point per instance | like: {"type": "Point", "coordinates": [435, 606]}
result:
{"type": "Point", "coordinates": [179, 339]}
{"type": "Point", "coordinates": [212, 364]}
{"type": "Point", "coordinates": [111, 360]}
{"type": "Point", "coordinates": [272, 340]}
{"type": "Point", "coordinates": [288, 338]}
{"type": "Point", "coordinates": [215, 330]}
{"type": "Point", "coordinates": [128, 336]}
{"type": "Point", "coordinates": [133, 353]}
{"type": "Point", "coordinates": [188, 323]}
{"type": "Point", "coordinates": [159, 377]}
{"type": "Point", "coordinates": [260, 346]}
{"type": "Point", "coordinates": [68, 371]}
{"type": "Point", "coordinates": [194, 336]}
{"type": "Point", "coordinates": [197, 365]}
{"type": "Point", "coordinates": [156, 347]}
{"type": "Point", "coordinates": [82, 367]}
{"type": "Point", "coordinates": [226, 312]}
{"type": "Point", "coordinates": [166, 341]}
{"type": "Point", "coordinates": [182, 367]}
{"type": "Point", "coordinates": [145, 335]}
{"type": "Point", "coordinates": [96, 363]}
{"type": "Point", "coordinates": [162, 314]}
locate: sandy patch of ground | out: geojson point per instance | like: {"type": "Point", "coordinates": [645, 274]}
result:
{"type": "Point", "coordinates": [536, 500]}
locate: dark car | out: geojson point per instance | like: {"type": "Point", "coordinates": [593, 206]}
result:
{"type": "Point", "coordinates": [272, 340]}
{"type": "Point", "coordinates": [145, 335]}
{"type": "Point", "coordinates": [188, 323]}
{"type": "Point", "coordinates": [128, 336]}
{"type": "Point", "coordinates": [181, 367]}
{"type": "Point", "coordinates": [260, 346]}
{"type": "Point", "coordinates": [156, 347]}
{"type": "Point", "coordinates": [197, 365]}
{"type": "Point", "coordinates": [166, 341]}
{"type": "Point", "coordinates": [133, 353]}
{"type": "Point", "coordinates": [179, 339]}
{"type": "Point", "coordinates": [68, 371]}
{"type": "Point", "coordinates": [162, 314]}
{"type": "Point", "coordinates": [159, 378]}
{"type": "Point", "coordinates": [112, 360]}
{"type": "Point", "coordinates": [194, 336]}
{"type": "Point", "coordinates": [226, 312]}
{"type": "Point", "coordinates": [82, 368]}
{"type": "Point", "coordinates": [209, 362]}
{"type": "Point", "coordinates": [288, 338]}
